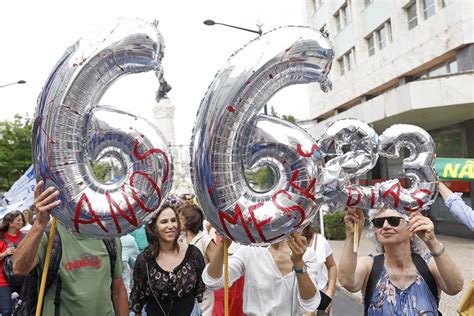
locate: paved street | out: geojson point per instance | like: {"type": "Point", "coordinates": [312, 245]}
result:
{"type": "Point", "coordinates": [346, 305]}
{"type": "Point", "coordinates": [460, 249]}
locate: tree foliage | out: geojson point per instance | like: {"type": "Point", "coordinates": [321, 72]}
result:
{"type": "Point", "coordinates": [15, 150]}
{"type": "Point", "coordinates": [290, 118]}
{"type": "Point", "coordinates": [262, 179]}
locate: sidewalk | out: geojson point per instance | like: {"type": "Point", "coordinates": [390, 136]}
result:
{"type": "Point", "coordinates": [460, 249]}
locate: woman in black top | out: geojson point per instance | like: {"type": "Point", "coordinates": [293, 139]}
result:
{"type": "Point", "coordinates": [167, 275]}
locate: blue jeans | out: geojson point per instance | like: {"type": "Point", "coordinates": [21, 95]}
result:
{"type": "Point", "coordinates": [5, 301]}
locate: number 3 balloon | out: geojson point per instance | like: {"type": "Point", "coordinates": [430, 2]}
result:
{"type": "Point", "coordinates": [334, 186]}
{"type": "Point", "coordinates": [71, 133]}
{"type": "Point", "coordinates": [230, 138]}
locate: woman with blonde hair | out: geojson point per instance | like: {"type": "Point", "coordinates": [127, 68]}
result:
{"type": "Point", "coordinates": [401, 280]}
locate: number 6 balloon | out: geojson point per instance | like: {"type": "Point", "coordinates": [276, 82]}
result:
{"type": "Point", "coordinates": [231, 138]}
{"type": "Point", "coordinates": [71, 133]}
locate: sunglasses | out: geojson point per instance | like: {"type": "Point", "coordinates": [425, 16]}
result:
{"type": "Point", "coordinates": [393, 221]}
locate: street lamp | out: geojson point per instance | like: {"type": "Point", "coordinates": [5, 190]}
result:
{"type": "Point", "coordinates": [259, 32]}
{"type": "Point", "coordinates": [12, 83]}
{"type": "Point", "coordinates": [211, 23]}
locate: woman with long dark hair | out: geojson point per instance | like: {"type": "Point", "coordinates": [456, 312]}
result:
{"type": "Point", "coordinates": [10, 236]}
{"type": "Point", "coordinates": [167, 275]}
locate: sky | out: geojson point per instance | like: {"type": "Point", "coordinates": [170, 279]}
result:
{"type": "Point", "coordinates": [35, 34]}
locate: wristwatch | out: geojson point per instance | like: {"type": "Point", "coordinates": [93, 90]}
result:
{"type": "Point", "coordinates": [302, 270]}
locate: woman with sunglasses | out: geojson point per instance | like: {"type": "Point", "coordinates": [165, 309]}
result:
{"type": "Point", "coordinates": [167, 275]}
{"type": "Point", "coordinates": [399, 281]}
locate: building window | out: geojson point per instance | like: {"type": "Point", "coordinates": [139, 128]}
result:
{"type": "Point", "coordinates": [338, 21]}
{"type": "Point", "coordinates": [438, 70]}
{"type": "Point", "coordinates": [343, 16]}
{"type": "Point", "coordinates": [316, 4]}
{"type": "Point", "coordinates": [453, 66]}
{"type": "Point", "coordinates": [411, 14]}
{"type": "Point", "coordinates": [382, 37]}
{"type": "Point", "coordinates": [347, 61]}
{"type": "Point", "coordinates": [350, 59]}
{"type": "Point", "coordinates": [367, 2]}
{"type": "Point", "coordinates": [445, 68]}
{"type": "Point", "coordinates": [346, 14]}
{"type": "Point", "coordinates": [428, 8]}
{"type": "Point", "coordinates": [449, 143]}
{"type": "Point", "coordinates": [319, 3]}
{"type": "Point", "coordinates": [371, 44]}
{"type": "Point", "coordinates": [340, 62]}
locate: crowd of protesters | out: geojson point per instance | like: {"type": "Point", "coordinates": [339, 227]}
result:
{"type": "Point", "coordinates": [173, 265]}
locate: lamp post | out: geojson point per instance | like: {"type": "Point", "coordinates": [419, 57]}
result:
{"type": "Point", "coordinates": [259, 32]}
{"type": "Point", "coordinates": [12, 83]}
{"type": "Point", "coordinates": [211, 23]}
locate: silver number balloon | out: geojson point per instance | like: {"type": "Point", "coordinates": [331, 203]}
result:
{"type": "Point", "coordinates": [231, 138]}
{"type": "Point", "coordinates": [334, 184]}
{"type": "Point", "coordinates": [71, 133]}
{"type": "Point", "coordinates": [418, 167]}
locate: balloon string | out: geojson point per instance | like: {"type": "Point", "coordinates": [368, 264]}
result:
{"type": "Point", "coordinates": [356, 237]}
{"type": "Point", "coordinates": [226, 277]}
{"type": "Point", "coordinates": [39, 306]}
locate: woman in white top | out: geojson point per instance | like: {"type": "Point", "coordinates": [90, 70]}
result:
{"type": "Point", "coordinates": [191, 218]}
{"type": "Point", "coordinates": [324, 266]}
{"type": "Point", "coordinates": [276, 279]}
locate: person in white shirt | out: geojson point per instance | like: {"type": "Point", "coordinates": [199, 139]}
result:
{"type": "Point", "coordinates": [325, 266]}
{"type": "Point", "coordinates": [277, 281]}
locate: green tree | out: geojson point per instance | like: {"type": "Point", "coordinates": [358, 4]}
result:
{"type": "Point", "coordinates": [100, 170]}
{"type": "Point", "coordinates": [15, 150]}
{"type": "Point", "coordinates": [290, 118]}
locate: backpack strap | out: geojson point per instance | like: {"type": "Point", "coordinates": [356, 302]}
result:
{"type": "Point", "coordinates": [426, 274]}
{"type": "Point", "coordinates": [8, 242]}
{"type": "Point", "coordinates": [55, 259]}
{"type": "Point", "coordinates": [374, 277]}
{"type": "Point", "coordinates": [13, 244]}
{"type": "Point", "coordinates": [53, 269]}
{"type": "Point", "coordinates": [112, 251]}
{"type": "Point", "coordinates": [57, 295]}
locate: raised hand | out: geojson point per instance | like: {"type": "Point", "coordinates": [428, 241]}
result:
{"type": "Point", "coordinates": [422, 226]}
{"type": "Point", "coordinates": [298, 245]}
{"type": "Point", "coordinates": [44, 202]}
{"type": "Point", "coordinates": [353, 216]}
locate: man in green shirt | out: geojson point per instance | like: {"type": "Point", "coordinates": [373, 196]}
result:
{"type": "Point", "coordinates": [88, 285]}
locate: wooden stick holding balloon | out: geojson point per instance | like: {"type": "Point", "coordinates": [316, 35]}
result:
{"type": "Point", "coordinates": [39, 305]}
{"type": "Point", "coordinates": [226, 277]}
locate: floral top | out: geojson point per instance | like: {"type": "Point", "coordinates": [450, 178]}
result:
{"type": "Point", "coordinates": [416, 299]}
{"type": "Point", "coordinates": [176, 290]}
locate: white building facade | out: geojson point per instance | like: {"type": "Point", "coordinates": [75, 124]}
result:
{"type": "Point", "coordinates": [405, 61]}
